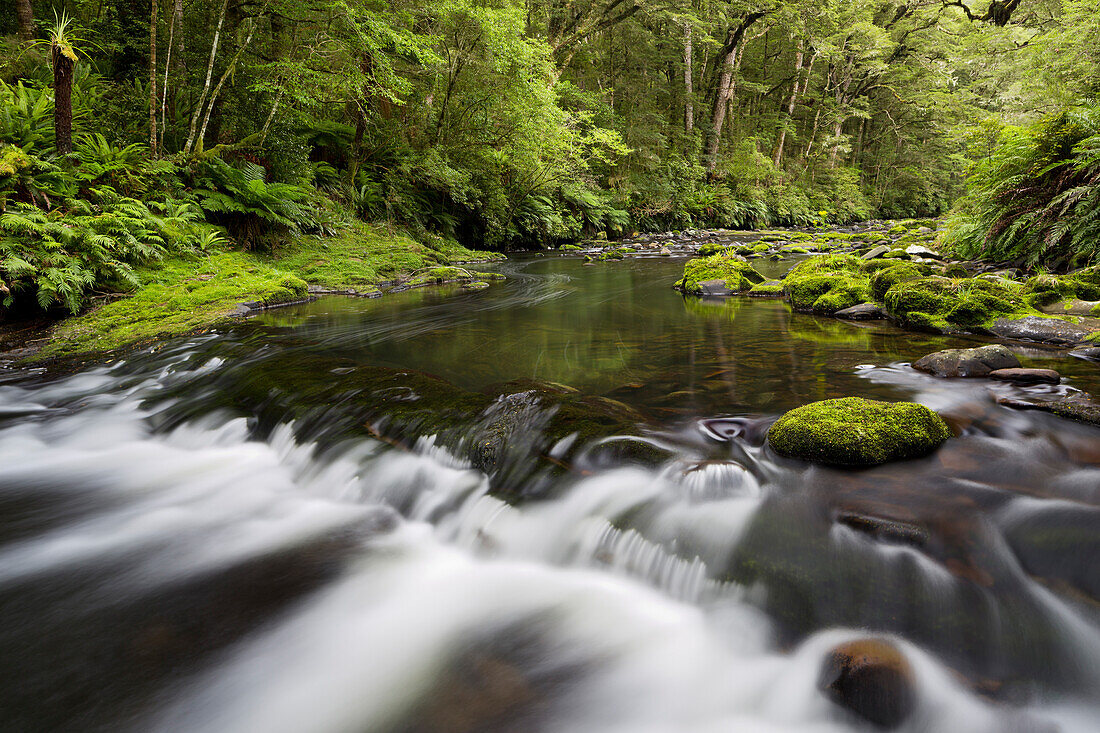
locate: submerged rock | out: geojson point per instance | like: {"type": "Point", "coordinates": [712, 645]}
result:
{"type": "Point", "coordinates": [977, 362]}
{"type": "Point", "coordinates": [1026, 376]}
{"type": "Point", "coordinates": [1036, 328]}
{"type": "Point", "coordinates": [1089, 353]}
{"type": "Point", "coordinates": [871, 678]}
{"type": "Point", "coordinates": [862, 312]}
{"type": "Point", "coordinates": [853, 431]}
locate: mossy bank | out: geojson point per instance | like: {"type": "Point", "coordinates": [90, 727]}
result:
{"type": "Point", "coordinates": [186, 293]}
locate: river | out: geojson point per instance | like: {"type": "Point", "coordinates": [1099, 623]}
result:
{"type": "Point", "coordinates": [233, 532]}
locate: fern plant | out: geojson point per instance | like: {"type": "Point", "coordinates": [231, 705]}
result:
{"type": "Point", "coordinates": [252, 210]}
{"type": "Point", "coordinates": [59, 257]}
{"type": "Point", "coordinates": [1036, 199]}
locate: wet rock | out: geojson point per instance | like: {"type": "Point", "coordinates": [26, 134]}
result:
{"type": "Point", "coordinates": [1090, 353]}
{"type": "Point", "coordinates": [854, 431]}
{"type": "Point", "coordinates": [665, 252]}
{"type": "Point", "coordinates": [1036, 328]}
{"type": "Point", "coordinates": [976, 362]}
{"type": "Point", "coordinates": [732, 272]}
{"type": "Point", "coordinates": [862, 312]}
{"type": "Point", "coordinates": [626, 450]}
{"type": "Point", "coordinates": [1071, 307]}
{"type": "Point", "coordinates": [915, 250]}
{"type": "Point", "coordinates": [1026, 376]}
{"type": "Point", "coordinates": [713, 288]}
{"type": "Point", "coordinates": [872, 679]}
{"type": "Point", "coordinates": [886, 530]}
{"type": "Point", "coordinates": [1082, 412]}
{"type": "Point", "coordinates": [1059, 542]}
{"type": "Point", "coordinates": [875, 253]}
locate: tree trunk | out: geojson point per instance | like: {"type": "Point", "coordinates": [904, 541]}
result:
{"type": "Point", "coordinates": [689, 91]}
{"type": "Point", "coordinates": [24, 14]}
{"type": "Point", "coordinates": [225, 75]}
{"type": "Point", "coordinates": [177, 20]}
{"type": "Point", "coordinates": [209, 77]}
{"type": "Point", "coordinates": [64, 61]}
{"type": "Point", "coordinates": [153, 78]}
{"type": "Point", "coordinates": [724, 88]}
{"type": "Point", "coordinates": [778, 159]}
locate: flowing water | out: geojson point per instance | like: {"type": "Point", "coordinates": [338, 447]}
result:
{"type": "Point", "coordinates": [227, 532]}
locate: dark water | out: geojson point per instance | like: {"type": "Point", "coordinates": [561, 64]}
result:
{"type": "Point", "coordinates": [227, 533]}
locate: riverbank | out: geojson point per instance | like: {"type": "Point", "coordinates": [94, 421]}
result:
{"type": "Point", "coordinates": [194, 292]}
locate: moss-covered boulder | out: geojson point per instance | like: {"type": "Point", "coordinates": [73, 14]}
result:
{"type": "Point", "coordinates": [942, 304]}
{"type": "Point", "coordinates": [853, 431]}
{"type": "Point", "coordinates": [767, 289]}
{"type": "Point", "coordinates": [827, 284]}
{"type": "Point", "coordinates": [738, 275]}
{"type": "Point", "coordinates": [898, 272]}
{"type": "Point", "coordinates": [711, 249]}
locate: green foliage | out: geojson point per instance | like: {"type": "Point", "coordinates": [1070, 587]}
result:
{"type": "Point", "coordinates": [256, 213]}
{"type": "Point", "coordinates": [1036, 199]}
{"type": "Point", "coordinates": [58, 257]}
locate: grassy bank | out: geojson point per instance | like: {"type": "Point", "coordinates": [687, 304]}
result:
{"type": "Point", "coordinates": [192, 292]}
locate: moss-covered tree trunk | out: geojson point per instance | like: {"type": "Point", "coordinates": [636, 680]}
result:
{"type": "Point", "coordinates": [64, 62]}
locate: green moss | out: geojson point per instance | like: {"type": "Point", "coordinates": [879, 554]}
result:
{"type": "Point", "coordinates": [956, 271]}
{"type": "Point", "coordinates": [826, 284]}
{"type": "Point", "coordinates": [449, 274]}
{"type": "Point", "coordinates": [571, 248]}
{"type": "Point", "coordinates": [767, 289]}
{"type": "Point", "coordinates": [709, 250]}
{"type": "Point", "coordinates": [362, 257]}
{"type": "Point", "coordinates": [794, 249]}
{"type": "Point", "coordinates": [853, 431]}
{"type": "Point", "coordinates": [739, 276]}
{"type": "Point", "coordinates": [615, 254]}
{"type": "Point", "coordinates": [897, 230]}
{"type": "Point", "coordinates": [891, 275]}
{"type": "Point", "coordinates": [966, 303]}
{"type": "Point", "coordinates": [186, 294]}
{"type": "Point", "coordinates": [918, 321]}
{"type": "Point", "coordinates": [178, 297]}
{"type": "Point", "coordinates": [760, 248]}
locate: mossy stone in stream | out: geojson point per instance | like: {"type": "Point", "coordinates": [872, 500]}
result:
{"type": "Point", "coordinates": [711, 249]}
{"type": "Point", "coordinates": [769, 289]}
{"type": "Point", "coordinates": [826, 284]}
{"type": "Point", "coordinates": [943, 303]}
{"type": "Point", "coordinates": [853, 431]}
{"type": "Point", "coordinates": [738, 275]}
{"type": "Point", "coordinates": [888, 277]}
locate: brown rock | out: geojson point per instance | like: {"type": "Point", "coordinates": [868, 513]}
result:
{"type": "Point", "coordinates": [862, 312]}
{"type": "Point", "coordinates": [1046, 330]}
{"type": "Point", "coordinates": [1026, 376]}
{"type": "Point", "coordinates": [977, 362]}
{"type": "Point", "coordinates": [871, 678]}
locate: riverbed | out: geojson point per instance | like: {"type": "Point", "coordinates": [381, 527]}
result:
{"type": "Point", "coordinates": [226, 532]}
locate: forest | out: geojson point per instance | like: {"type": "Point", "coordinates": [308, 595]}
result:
{"type": "Point", "coordinates": [550, 366]}
{"type": "Point", "coordinates": [135, 132]}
